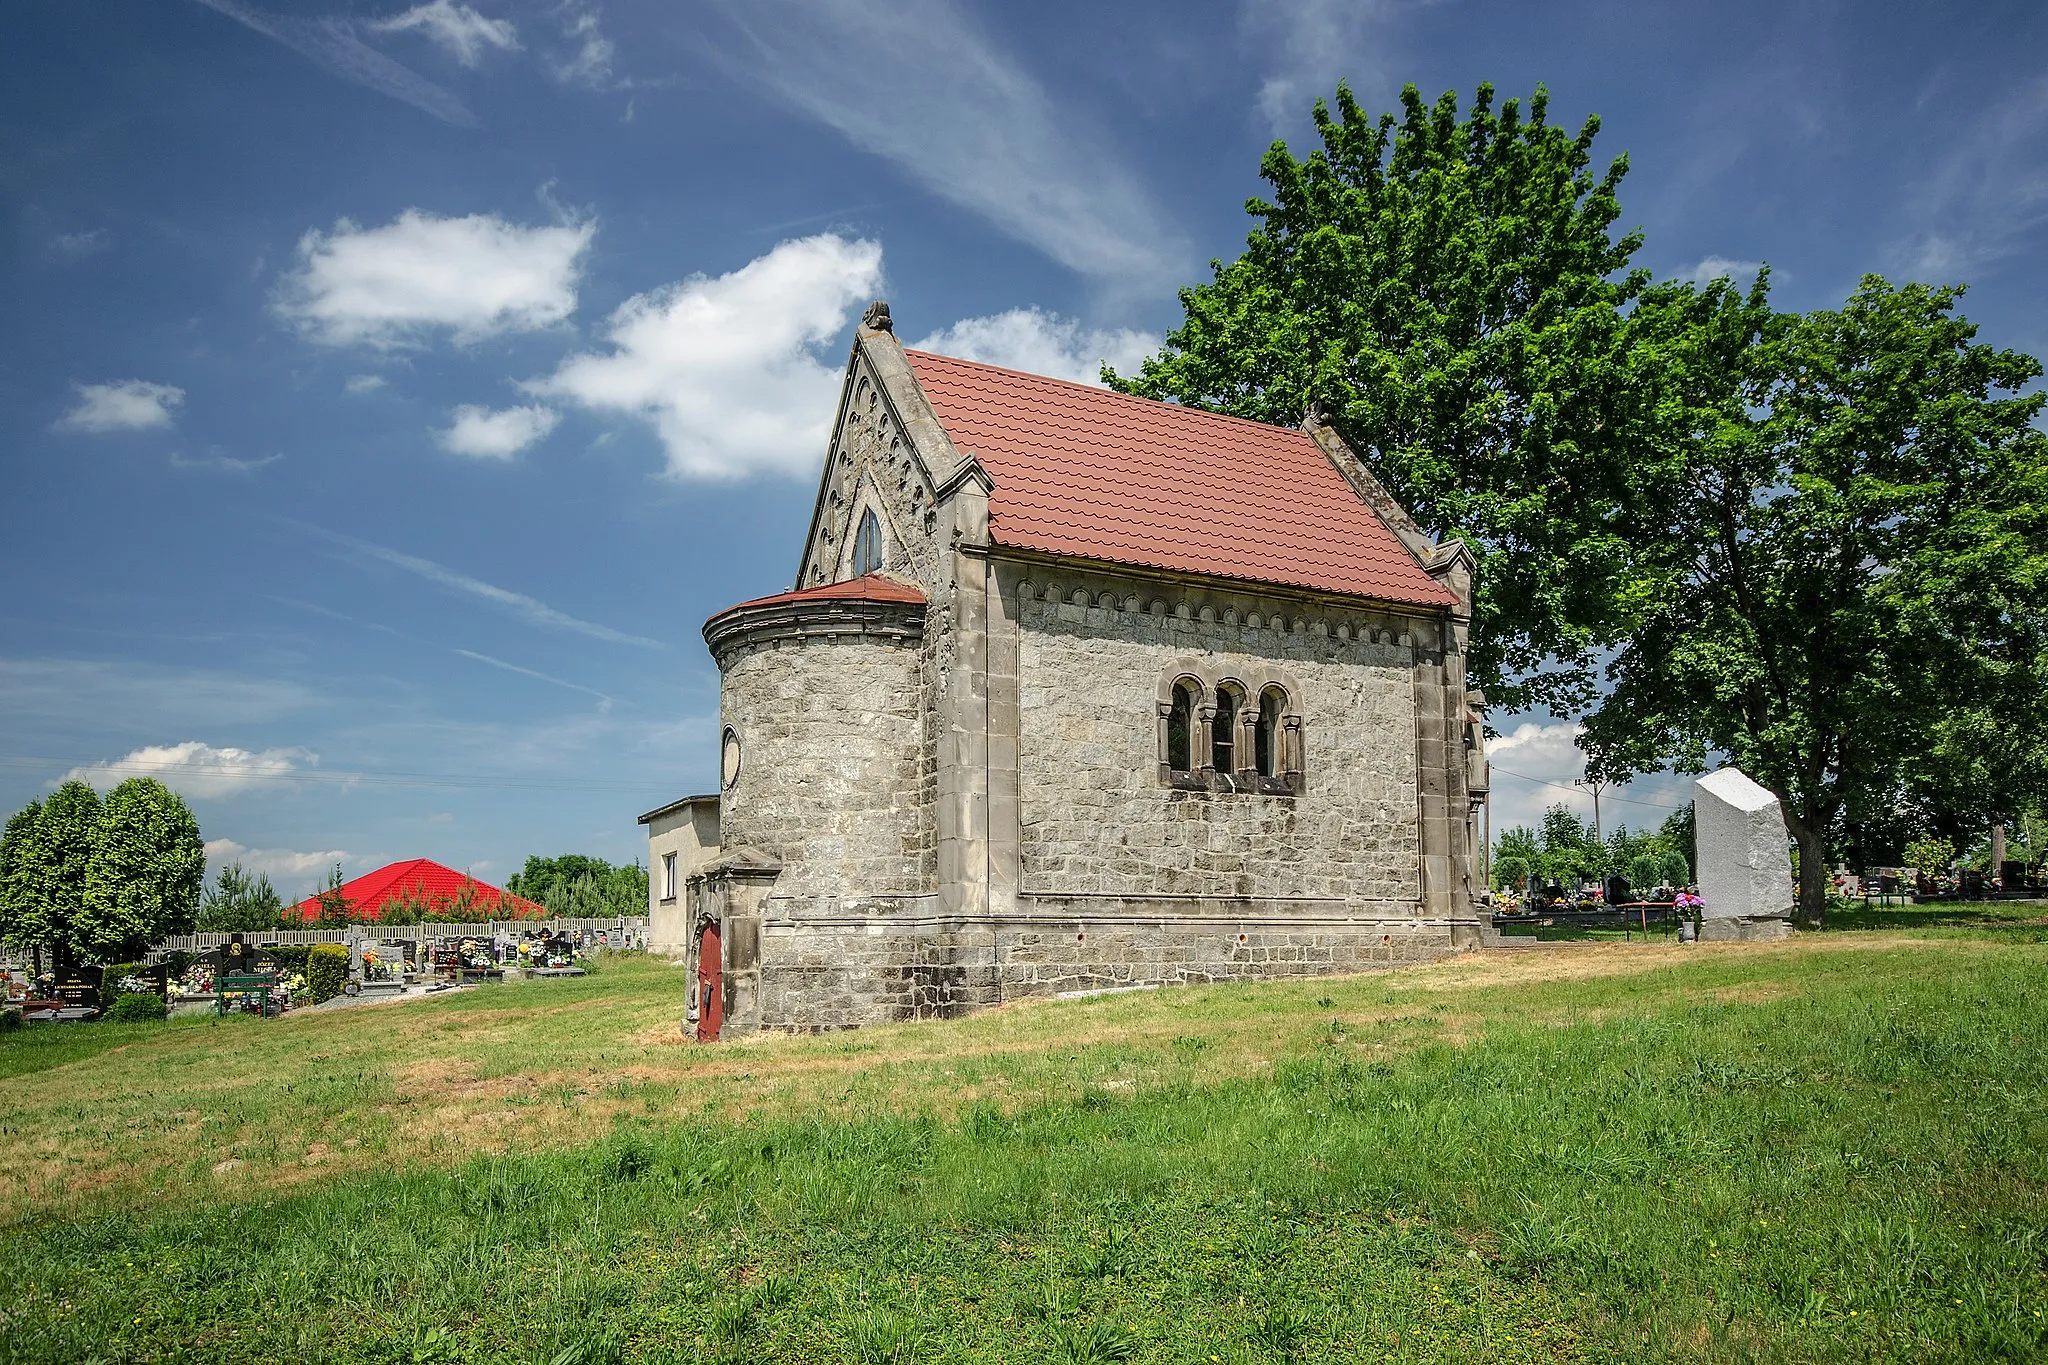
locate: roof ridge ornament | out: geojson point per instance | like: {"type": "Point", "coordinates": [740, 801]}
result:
{"type": "Point", "coordinates": [877, 318]}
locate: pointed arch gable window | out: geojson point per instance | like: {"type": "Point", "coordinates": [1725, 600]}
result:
{"type": "Point", "coordinates": [867, 545]}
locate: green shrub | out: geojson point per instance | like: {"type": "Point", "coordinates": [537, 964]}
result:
{"type": "Point", "coordinates": [134, 1008]}
{"type": "Point", "coordinates": [110, 981]}
{"type": "Point", "coordinates": [1644, 872]}
{"type": "Point", "coordinates": [10, 1020]}
{"type": "Point", "coordinates": [291, 957]}
{"type": "Point", "coordinates": [326, 970]}
{"type": "Point", "coordinates": [1511, 872]}
{"type": "Point", "coordinates": [1677, 871]}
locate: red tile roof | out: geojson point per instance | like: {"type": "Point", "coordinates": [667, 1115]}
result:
{"type": "Point", "coordinates": [1098, 475]}
{"type": "Point", "coordinates": [422, 879]}
{"type": "Point", "coordinates": [867, 588]}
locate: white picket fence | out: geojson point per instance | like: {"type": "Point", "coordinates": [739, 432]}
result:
{"type": "Point", "coordinates": [618, 930]}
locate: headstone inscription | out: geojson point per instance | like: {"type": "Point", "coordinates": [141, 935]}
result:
{"type": "Point", "coordinates": [1745, 863]}
{"type": "Point", "coordinates": [78, 986]}
{"type": "Point", "coordinates": [2012, 876]}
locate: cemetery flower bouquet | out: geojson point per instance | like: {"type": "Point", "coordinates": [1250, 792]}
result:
{"type": "Point", "coordinates": [481, 960]}
{"type": "Point", "coordinates": [374, 966]}
{"type": "Point", "coordinates": [137, 985]}
{"type": "Point", "coordinates": [198, 979]}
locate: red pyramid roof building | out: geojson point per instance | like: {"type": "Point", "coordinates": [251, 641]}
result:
{"type": "Point", "coordinates": [420, 879]}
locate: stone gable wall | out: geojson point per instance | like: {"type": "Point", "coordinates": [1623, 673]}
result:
{"type": "Point", "coordinates": [873, 464]}
{"type": "Point", "coordinates": [834, 770]}
{"type": "Point", "coordinates": [1096, 818]}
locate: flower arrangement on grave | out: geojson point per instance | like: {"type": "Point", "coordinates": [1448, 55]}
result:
{"type": "Point", "coordinates": [375, 968]}
{"type": "Point", "coordinates": [136, 985]}
{"type": "Point", "coordinates": [481, 960]}
{"type": "Point", "coordinates": [197, 980]}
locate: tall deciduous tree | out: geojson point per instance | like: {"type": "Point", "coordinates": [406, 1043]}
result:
{"type": "Point", "coordinates": [1853, 574]}
{"type": "Point", "coordinates": [59, 855]}
{"type": "Point", "coordinates": [145, 873]}
{"type": "Point", "coordinates": [19, 880]}
{"type": "Point", "coordinates": [1451, 290]}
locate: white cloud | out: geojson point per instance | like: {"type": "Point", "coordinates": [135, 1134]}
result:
{"type": "Point", "coordinates": [917, 83]}
{"type": "Point", "coordinates": [122, 405]}
{"type": "Point", "coordinates": [196, 769]}
{"type": "Point", "coordinates": [364, 383]}
{"type": "Point", "coordinates": [458, 28]}
{"type": "Point", "coordinates": [1312, 45]}
{"type": "Point", "coordinates": [1038, 342]}
{"type": "Point", "coordinates": [726, 368]}
{"type": "Point", "coordinates": [497, 435]}
{"type": "Point", "coordinates": [473, 277]}
{"type": "Point", "coordinates": [330, 44]}
{"type": "Point", "coordinates": [533, 609]}
{"type": "Point", "coordinates": [1722, 268]}
{"type": "Point", "coordinates": [283, 866]}
{"type": "Point", "coordinates": [1535, 766]}
{"type": "Point", "coordinates": [74, 246]}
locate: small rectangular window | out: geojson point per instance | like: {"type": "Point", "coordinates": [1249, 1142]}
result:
{"type": "Point", "coordinates": [668, 876]}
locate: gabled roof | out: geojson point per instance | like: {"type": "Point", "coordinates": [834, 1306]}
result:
{"type": "Point", "coordinates": [420, 878]}
{"type": "Point", "coordinates": [1083, 472]}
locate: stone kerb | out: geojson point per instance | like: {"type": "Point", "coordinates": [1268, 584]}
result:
{"type": "Point", "coordinates": [1745, 868]}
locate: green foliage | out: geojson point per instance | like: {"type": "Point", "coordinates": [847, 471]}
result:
{"type": "Point", "coordinates": [1675, 870]}
{"type": "Point", "coordinates": [576, 885]}
{"type": "Point", "coordinates": [1680, 835]}
{"type": "Point", "coordinates": [20, 887]}
{"type": "Point", "coordinates": [147, 865]}
{"type": "Point", "coordinates": [326, 970]}
{"type": "Point", "coordinates": [53, 858]}
{"type": "Point", "coordinates": [1510, 873]}
{"type": "Point", "coordinates": [237, 903]}
{"type": "Point", "coordinates": [10, 1019]}
{"type": "Point", "coordinates": [137, 1007]}
{"type": "Point", "coordinates": [1844, 587]}
{"type": "Point", "coordinates": [1644, 872]}
{"type": "Point", "coordinates": [110, 980]}
{"type": "Point", "coordinates": [291, 957]}
{"type": "Point", "coordinates": [1451, 290]}
{"type": "Point", "coordinates": [1932, 854]}
{"type": "Point", "coordinates": [333, 908]}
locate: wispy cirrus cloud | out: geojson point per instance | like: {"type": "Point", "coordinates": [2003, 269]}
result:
{"type": "Point", "coordinates": [918, 83]}
{"type": "Point", "coordinates": [122, 405]}
{"type": "Point", "coordinates": [458, 29]}
{"type": "Point", "coordinates": [330, 43]}
{"type": "Point", "coordinates": [531, 609]}
{"type": "Point", "coordinates": [1310, 45]}
{"type": "Point", "coordinates": [196, 769]}
{"type": "Point", "coordinates": [221, 464]}
{"type": "Point", "coordinates": [1986, 197]}
{"type": "Point", "coordinates": [472, 277]}
{"type": "Point", "coordinates": [604, 700]}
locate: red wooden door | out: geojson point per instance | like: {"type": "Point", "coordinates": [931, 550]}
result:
{"type": "Point", "coordinates": [710, 984]}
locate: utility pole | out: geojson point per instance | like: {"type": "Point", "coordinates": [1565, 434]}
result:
{"type": "Point", "coordinates": [1596, 785]}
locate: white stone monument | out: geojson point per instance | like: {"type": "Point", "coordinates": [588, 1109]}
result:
{"type": "Point", "coordinates": [1745, 866]}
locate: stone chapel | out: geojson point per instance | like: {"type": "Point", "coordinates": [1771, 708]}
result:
{"type": "Point", "coordinates": [1076, 691]}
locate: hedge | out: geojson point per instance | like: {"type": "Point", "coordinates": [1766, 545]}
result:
{"type": "Point", "coordinates": [326, 970]}
{"type": "Point", "coordinates": [110, 981]}
{"type": "Point", "coordinates": [134, 1007]}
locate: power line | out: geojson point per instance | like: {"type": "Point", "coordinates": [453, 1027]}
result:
{"type": "Point", "coordinates": [1566, 787]}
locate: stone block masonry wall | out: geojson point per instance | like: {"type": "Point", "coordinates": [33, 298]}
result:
{"type": "Point", "coordinates": [1095, 816]}
{"type": "Point", "coordinates": [855, 972]}
{"type": "Point", "coordinates": [833, 765]}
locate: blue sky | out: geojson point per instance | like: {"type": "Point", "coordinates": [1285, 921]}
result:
{"type": "Point", "coordinates": [388, 392]}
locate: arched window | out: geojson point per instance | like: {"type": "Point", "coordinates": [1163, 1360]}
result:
{"type": "Point", "coordinates": [1180, 728]}
{"type": "Point", "coordinates": [867, 545]}
{"type": "Point", "coordinates": [1272, 705]}
{"type": "Point", "coordinates": [1223, 732]}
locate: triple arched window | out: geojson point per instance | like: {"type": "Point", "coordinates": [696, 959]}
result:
{"type": "Point", "coordinates": [1222, 735]}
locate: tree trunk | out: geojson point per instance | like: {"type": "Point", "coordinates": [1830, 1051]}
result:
{"type": "Point", "coordinates": [1813, 875]}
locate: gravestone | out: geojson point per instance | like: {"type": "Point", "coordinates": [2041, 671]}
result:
{"type": "Point", "coordinates": [78, 986]}
{"type": "Point", "coordinates": [1745, 864]}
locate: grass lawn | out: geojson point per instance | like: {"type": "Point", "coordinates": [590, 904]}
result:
{"type": "Point", "coordinates": [1830, 1149]}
